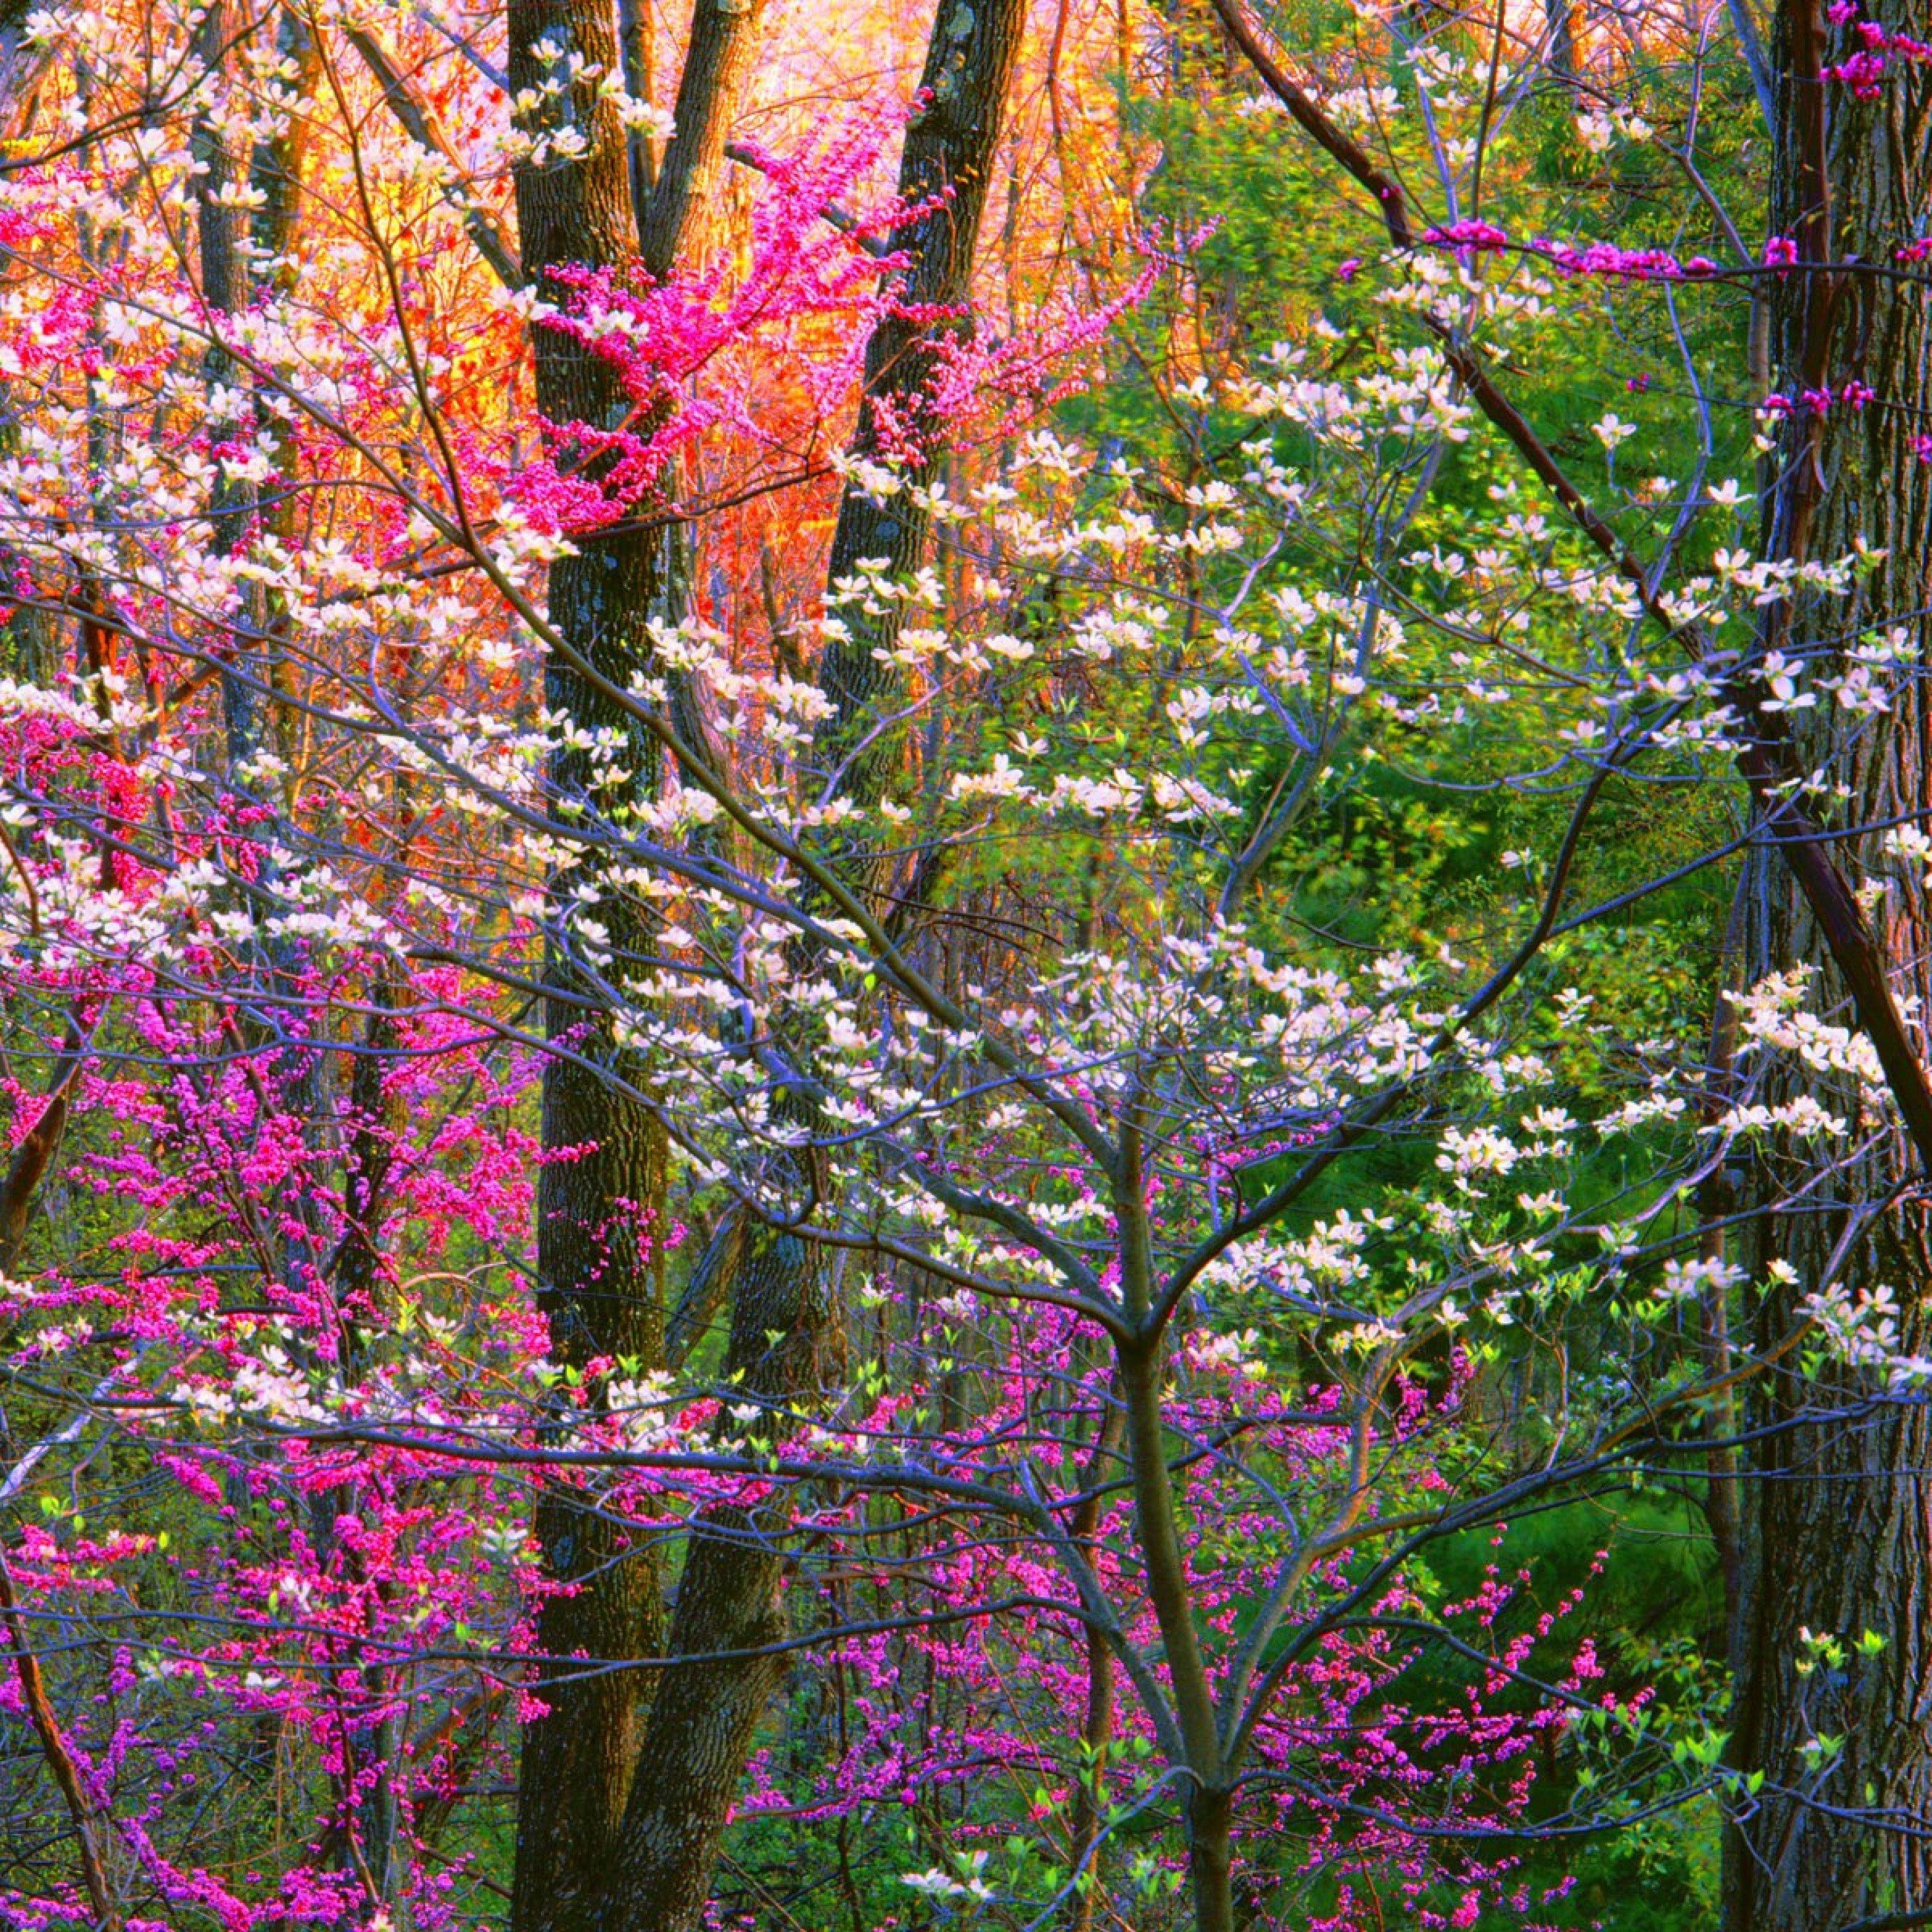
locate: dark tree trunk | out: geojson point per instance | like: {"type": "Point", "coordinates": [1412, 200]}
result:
{"type": "Point", "coordinates": [1840, 1501]}
{"type": "Point", "coordinates": [597, 1284]}
{"type": "Point", "coordinates": [599, 1212]}
{"type": "Point", "coordinates": [708, 1707]}
{"type": "Point", "coordinates": [705, 1713]}
{"type": "Point", "coordinates": [1097, 1731]}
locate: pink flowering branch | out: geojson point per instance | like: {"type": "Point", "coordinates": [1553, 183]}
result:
{"type": "Point", "coordinates": [82, 1808]}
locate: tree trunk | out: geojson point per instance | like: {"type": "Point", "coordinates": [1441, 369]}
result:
{"type": "Point", "coordinates": [598, 1282]}
{"type": "Point", "coordinates": [707, 1711]}
{"type": "Point", "coordinates": [949, 152]}
{"type": "Point", "coordinates": [1210, 1860]}
{"type": "Point", "coordinates": [708, 1708]}
{"type": "Point", "coordinates": [1559, 18]}
{"type": "Point", "coordinates": [1097, 1731]}
{"type": "Point", "coordinates": [1841, 1503]}
{"type": "Point", "coordinates": [599, 1210]}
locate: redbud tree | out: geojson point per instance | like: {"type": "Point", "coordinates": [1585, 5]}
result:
{"type": "Point", "coordinates": [647, 1220]}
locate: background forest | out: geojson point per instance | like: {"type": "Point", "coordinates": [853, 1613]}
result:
{"type": "Point", "coordinates": [964, 965]}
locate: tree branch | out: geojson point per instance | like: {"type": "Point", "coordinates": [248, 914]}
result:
{"type": "Point", "coordinates": [1765, 764]}
{"type": "Point", "coordinates": [413, 112]}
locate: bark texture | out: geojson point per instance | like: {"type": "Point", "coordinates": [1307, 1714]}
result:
{"type": "Point", "coordinates": [728, 1611]}
{"type": "Point", "coordinates": [1841, 1506]}
{"type": "Point", "coordinates": [600, 1209]}
{"type": "Point", "coordinates": [597, 1283]}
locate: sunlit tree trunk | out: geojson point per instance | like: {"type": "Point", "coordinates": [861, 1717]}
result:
{"type": "Point", "coordinates": [952, 146]}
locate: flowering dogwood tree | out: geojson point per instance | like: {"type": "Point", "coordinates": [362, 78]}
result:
{"type": "Point", "coordinates": [704, 1211]}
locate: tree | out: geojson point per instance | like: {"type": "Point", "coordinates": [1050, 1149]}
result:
{"type": "Point", "coordinates": [1129, 999]}
{"type": "Point", "coordinates": [1833, 1656]}
{"type": "Point", "coordinates": [725, 1654]}
{"type": "Point", "coordinates": [600, 1210]}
